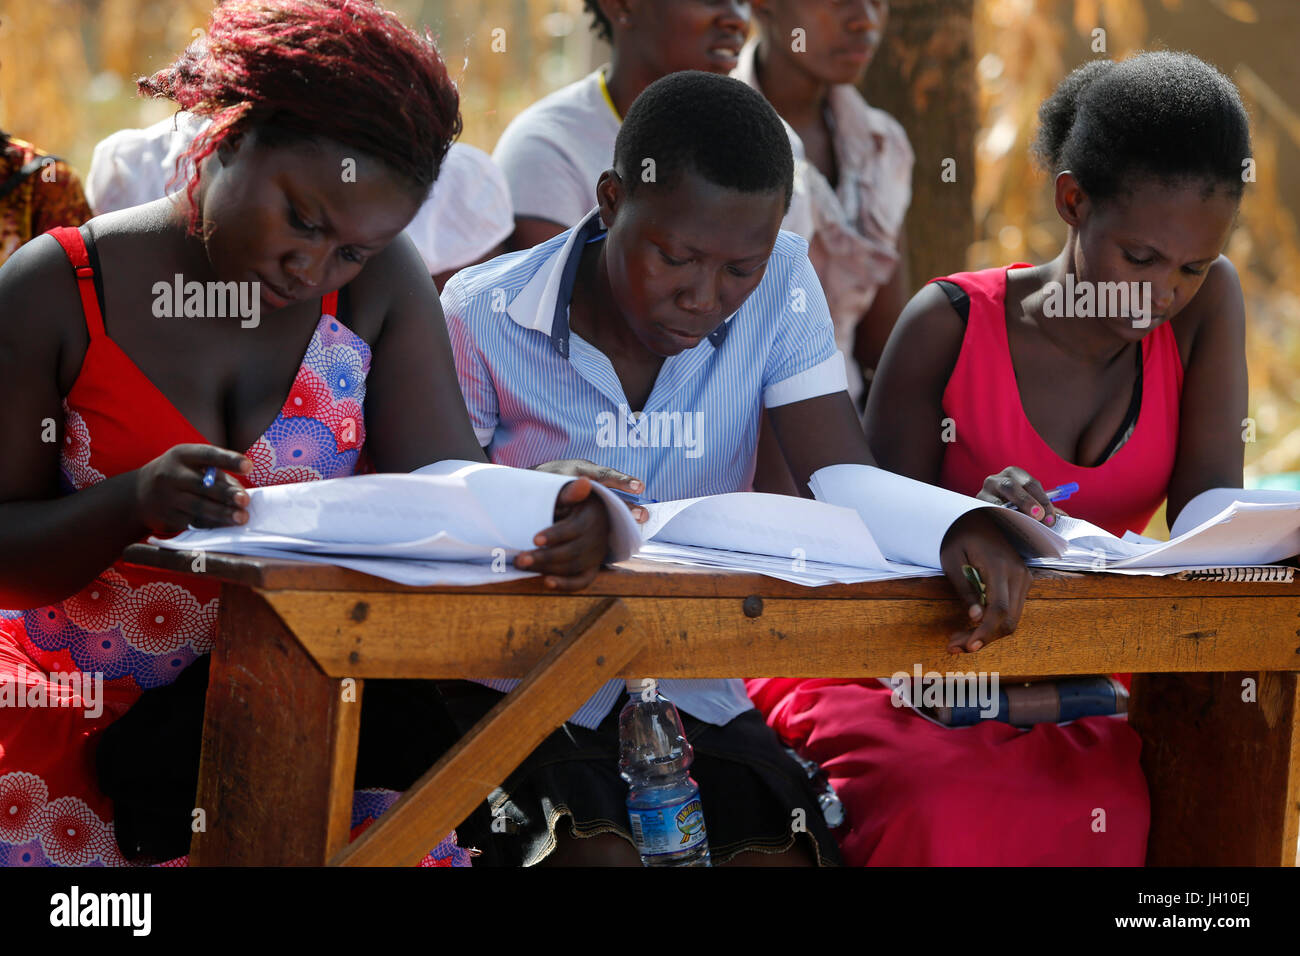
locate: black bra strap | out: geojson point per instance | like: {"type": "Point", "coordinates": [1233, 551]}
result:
{"type": "Point", "coordinates": [93, 254]}
{"type": "Point", "coordinates": [345, 311]}
{"type": "Point", "coordinates": [1130, 417]}
{"type": "Point", "coordinates": [957, 296]}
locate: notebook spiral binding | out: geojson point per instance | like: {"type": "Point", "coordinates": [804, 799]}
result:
{"type": "Point", "coordinates": [1272, 572]}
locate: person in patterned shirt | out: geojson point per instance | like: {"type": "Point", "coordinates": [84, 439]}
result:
{"type": "Point", "coordinates": [37, 192]}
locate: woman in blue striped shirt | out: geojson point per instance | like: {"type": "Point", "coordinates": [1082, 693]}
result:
{"type": "Point", "coordinates": [647, 340]}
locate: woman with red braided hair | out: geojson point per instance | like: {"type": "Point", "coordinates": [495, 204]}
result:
{"type": "Point", "coordinates": [327, 349]}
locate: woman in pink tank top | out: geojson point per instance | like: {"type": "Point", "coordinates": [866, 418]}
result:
{"type": "Point", "coordinates": [1118, 366]}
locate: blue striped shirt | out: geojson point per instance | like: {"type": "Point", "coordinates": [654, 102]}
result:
{"type": "Point", "coordinates": [537, 392]}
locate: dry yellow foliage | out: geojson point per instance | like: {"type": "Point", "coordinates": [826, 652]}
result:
{"type": "Point", "coordinates": [67, 71]}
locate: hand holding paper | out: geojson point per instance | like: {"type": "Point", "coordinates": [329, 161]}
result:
{"type": "Point", "coordinates": [975, 541]}
{"type": "Point", "coordinates": [569, 552]}
{"type": "Point", "coordinates": [449, 511]}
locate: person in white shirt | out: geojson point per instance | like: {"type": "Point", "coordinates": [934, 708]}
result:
{"type": "Point", "coordinates": [465, 219]}
{"type": "Point", "coordinates": [858, 170]}
{"type": "Point", "coordinates": [553, 152]}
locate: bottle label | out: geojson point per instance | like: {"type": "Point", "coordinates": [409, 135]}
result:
{"type": "Point", "coordinates": [671, 829]}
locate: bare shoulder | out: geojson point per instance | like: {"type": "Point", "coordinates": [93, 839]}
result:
{"type": "Point", "coordinates": [392, 284]}
{"type": "Point", "coordinates": [41, 319]}
{"type": "Point", "coordinates": [928, 334]}
{"type": "Point", "coordinates": [1218, 308]}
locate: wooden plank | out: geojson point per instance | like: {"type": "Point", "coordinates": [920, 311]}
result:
{"type": "Point", "coordinates": [279, 746]}
{"type": "Point", "coordinates": [364, 634]}
{"type": "Point", "coordinates": [638, 578]}
{"type": "Point", "coordinates": [594, 649]}
{"type": "Point", "coordinates": [1223, 773]}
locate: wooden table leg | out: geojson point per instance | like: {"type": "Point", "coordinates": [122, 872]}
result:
{"type": "Point", "coordinates": [279, 746]}
{"type": "Point", "coordinates": [1224, 773]}
{"type": "Point", "coordinates": [597, 645]}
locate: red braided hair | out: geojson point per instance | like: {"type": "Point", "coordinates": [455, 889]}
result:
{"type": "Point", "coordinates": [345, 70]}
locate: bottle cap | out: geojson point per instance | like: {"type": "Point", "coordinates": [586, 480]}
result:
{"type": "Point", "coordinates": [639, 685]}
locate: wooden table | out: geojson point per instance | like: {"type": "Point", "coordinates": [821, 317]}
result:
{"type": "Point", "coordinates": [298, 640]}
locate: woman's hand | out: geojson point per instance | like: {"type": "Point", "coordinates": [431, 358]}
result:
{"type": "Point", "coordinates": [570, 551]}
{"type": "Point", "coordinates": [170, 496]}
{"type": "Point", "coordinates": [974, 539]}
{"type": "Point", "coordinates": [1020, 488]}
{"type": "Point", "coordinates": [581, 468]}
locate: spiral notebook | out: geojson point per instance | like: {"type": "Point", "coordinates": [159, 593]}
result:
{"type": "Point", "coordinates": [1267, 572]}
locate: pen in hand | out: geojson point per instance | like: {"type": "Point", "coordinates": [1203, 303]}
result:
{"type": "Point", "coordinates": [1059, 493]}
{"type": "Point", "coordinates": [973, 576]}
{"type": "Point", "coordinates": [635, 499]}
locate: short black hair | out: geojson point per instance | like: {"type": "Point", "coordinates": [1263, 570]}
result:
{"type": "Point", "coordinates": [600, 24]}
{"type": "Point", "coordinates": [716, 126]}
{"type": "Point", "coordinates": [1163, 115]}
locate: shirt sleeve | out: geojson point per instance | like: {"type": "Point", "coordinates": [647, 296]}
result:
{"type": "Point", "coordinates": [473, 373]}
{"type": "Point", "coordinates": [544, 182]}
{"type": "Point", "coordinates": [466, 216]}
{"type": "Point", "coordinates": [803, 361]}
{"type": "Point", "coordinates": [890, 190]}
{"type": "Point", "coordinates": [799, 217]}
{"type": "Point", "coordinates": [124, 171]}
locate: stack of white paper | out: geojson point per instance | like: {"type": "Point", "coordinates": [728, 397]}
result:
{"type": "Point", "coordinates": [1222, 527]}
{"type": "Point", "coordinates": [452, 522]}
{"type": "Point", "coordinates": [794, 539]}
{"type": "Point", "coordinates": [458, 522]}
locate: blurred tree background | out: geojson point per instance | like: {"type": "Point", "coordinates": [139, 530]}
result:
{"type": "Point", "coordinates": [67, 70]}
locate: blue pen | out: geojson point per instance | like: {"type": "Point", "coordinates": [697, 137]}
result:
{"type": "Point", "coordinates": [1059, 493]}
{"type": "Point", "coordinates": [635, 499]}
{"type": "Point", "coordinates": [209, 477]}
{"type": "Point", "coordinates": [1062, 492]}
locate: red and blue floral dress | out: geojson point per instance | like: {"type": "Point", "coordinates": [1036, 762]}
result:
{"type": "Point", "coordinates": [132, 628]}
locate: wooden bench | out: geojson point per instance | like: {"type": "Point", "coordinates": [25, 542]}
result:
{"type": "Point", "coordinates": [297, 641]}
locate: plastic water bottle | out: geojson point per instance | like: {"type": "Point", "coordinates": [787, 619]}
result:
{"type": "Point", "coordinates": [663, 802]}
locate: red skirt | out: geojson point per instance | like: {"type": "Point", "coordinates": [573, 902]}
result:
{"type": "Point", "coordinates": [917, 794]}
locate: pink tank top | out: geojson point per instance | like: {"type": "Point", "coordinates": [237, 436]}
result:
{"type": "Point", "coordinates": [993, 432]}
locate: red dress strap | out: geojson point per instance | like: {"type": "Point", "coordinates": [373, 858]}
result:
{"type": "Point", "coordinates": [329, 303]}
{"type": "Point", "coordinates": [74, 247]}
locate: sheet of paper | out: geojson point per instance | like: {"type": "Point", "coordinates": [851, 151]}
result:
{"type": "Point", "coordinates": [412, 573]}
{"type": "Point", "coordinates": [1242, 534]}
{"type": "Point", "coordinates": [438, 547]}
{"type": "Point", "coordinates": [447, 511]}
{"type": "Point", "coordinates": [1220, 527]}
{"type": "Point", "coordinates": [779, 525]}
{"type": "Point", "coordinates": [1208, 504]}
{"type": "Point", "coordinates": [909, 519]}
{"type": "Point", "coordinates": [1056, 564]}
{"type": "Point", "coordinates": [1135, 538]}
{"type": "Point", "coordinates": [808, 573]}
{"type": "Point", "coordinates": [494, 484]}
